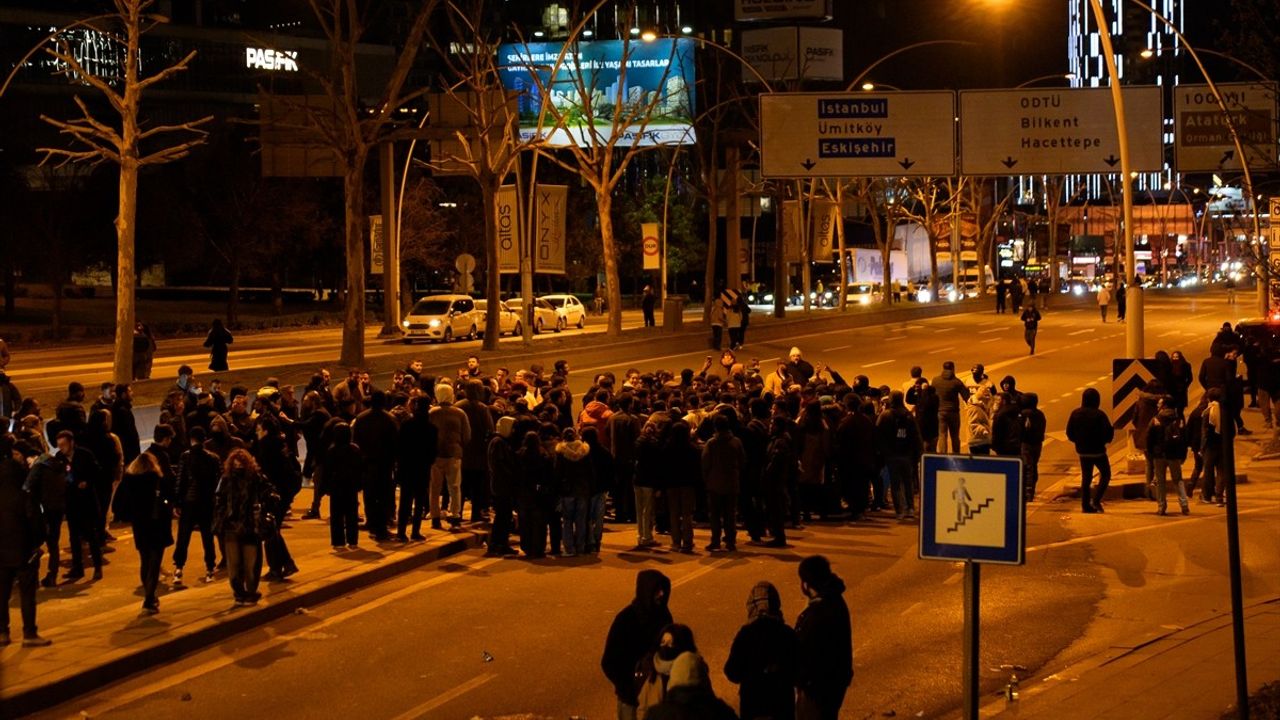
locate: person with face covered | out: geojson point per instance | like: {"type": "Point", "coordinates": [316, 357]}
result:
{"type": "Point", "coordinates": [824, 637]}
{"type": "Point", "coordinates": [655, 670]}
{"type": "Point", "coordinates": [634, 634]}
{"type": "Point", "coordinates": [762, 660]}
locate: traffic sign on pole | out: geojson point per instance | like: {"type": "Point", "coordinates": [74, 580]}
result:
{"type": "Point", "coordinates": [1202, 135]}
{"type": "Point", "coordinates": [1055, 132]}
{"type": "Point", "coordinates": [897, 134]}
{"type": "Point", "coordinates": [1128, 377]}
{"type": "Point", "coordinates": [971, 509]}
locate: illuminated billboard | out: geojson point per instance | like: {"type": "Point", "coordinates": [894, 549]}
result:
{"type": "Point", "coordinates": [642, 90]}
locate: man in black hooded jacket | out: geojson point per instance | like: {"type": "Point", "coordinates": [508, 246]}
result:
{"type": "Point", "coordinates": [824, 638]}
{"type": "Point", "coordinates": [1091, 431]}
{"type": "Point", "coordinates": [633, 635]}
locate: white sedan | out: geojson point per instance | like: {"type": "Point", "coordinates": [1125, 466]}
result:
{"type": "Point", "coordinates": [544, 314]}
{"type": "Point", "coordinates": [508, 319]}
{"type": "Point", "coordinates": [568, 307]}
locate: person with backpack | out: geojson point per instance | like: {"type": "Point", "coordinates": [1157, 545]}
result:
{"type": "Point", "coordinates": [1033, 431]}
{"type": "Point", "coordinates": [1167, 450]}
{"type": "Point", "coordinates": [898, 437]}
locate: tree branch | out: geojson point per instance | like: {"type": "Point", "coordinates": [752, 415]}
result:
{"type": "Point", "coordinates": [167, 73]}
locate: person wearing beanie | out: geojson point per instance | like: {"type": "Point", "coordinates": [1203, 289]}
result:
{"type": "Point", "coordinates": [824, 638]}
{"type": "Point", "coordinates": [762, 659]}
{"type": "Point", "coordinates": [634, 634]}
{"type": "Point", "coordinates": [799, 370]}
{"type": "Point", "coordinates": [453, 432]}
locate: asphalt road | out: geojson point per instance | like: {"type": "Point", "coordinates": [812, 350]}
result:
{"type": "Point", "coordinates": [417, 646]}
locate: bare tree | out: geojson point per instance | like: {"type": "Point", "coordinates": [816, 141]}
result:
{"type": "Point", "coordinates": [987, 208]}
{"type": "Point", "coordinates": [425, 233]}
{"type": "Point", "coordinates": [351, 130]}
{"type": "Point", "coordinates": [880, 199]}
{"type": "Point", "coordinates": [128, 143]}
{"type": "Point", "coordinates": [929, 205]}
{"type": "Point", "coordinates": [605, 133]}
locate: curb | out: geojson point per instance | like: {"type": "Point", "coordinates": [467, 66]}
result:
{"type": "Point", "coordinates": [85, 681]}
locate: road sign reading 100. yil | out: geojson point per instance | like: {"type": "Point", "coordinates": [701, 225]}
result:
{"type": "Point", "coordinates": [971, 508]}
{"type": "Point", "coordinates": [1202, 132]}
{"type": "Point", "coordinates": [805, 135]}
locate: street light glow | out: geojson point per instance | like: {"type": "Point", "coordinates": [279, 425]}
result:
{"type": "Point", "coordinates": [686, 30]}
{"type": "Point", "coordinates": [649, 36]}
{"type": "Point", "coordinates": [868, 86]}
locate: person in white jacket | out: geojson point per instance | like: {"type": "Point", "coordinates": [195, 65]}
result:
{"type": "Point", "coordinates": [1104, 299]}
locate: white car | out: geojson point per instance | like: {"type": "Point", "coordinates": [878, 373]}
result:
{"type": "Point", "coordinates": [568, 307]}
{"type": "Point", "coordinates": [862, 294]}
{"type": "Point", "coordinates": [441, 318]}
{"type": "Point", "coordinates": [508, 319]}
{"type": "Point", "coordinates": [544, 314]}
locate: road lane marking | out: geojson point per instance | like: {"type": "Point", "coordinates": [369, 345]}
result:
{"type": "Point", "coordinates": [446, 697]}
{"type": "Point", "coordinates": [991, 340]}
{"type": "Point", "coordinates": [984, 332]}
{"type": "Point", "coordinates": [838, 347]}
{"type": "Point", "coordinates": [942, 350]}
{"type": "Point", "coordinates": [877, 364]}
{"type": "Point", "coordinates": [119, 700]}
{"type": "Point", "coordinates": [1080, 332]}
{"type": "Point", "coordinates": [684, 579]}
{"type": "Point", "coordinates": [1143, 529]}
{"type": "Point", "coordinates": [897, 337]}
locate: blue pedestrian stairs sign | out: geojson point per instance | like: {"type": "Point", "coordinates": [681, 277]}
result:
{"type": "Point", "coordinates": [971, 508]}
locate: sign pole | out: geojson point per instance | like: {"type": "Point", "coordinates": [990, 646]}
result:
{"type": "Point", "coordinates": [972, 575]}
{"type": "Point", "coordinates": [1228, 431]}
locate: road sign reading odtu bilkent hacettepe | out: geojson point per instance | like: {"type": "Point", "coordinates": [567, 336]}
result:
{"type": "Point", "coordinates": [857, 134]}
{"type": "Point", "coordinates": [971, 508]}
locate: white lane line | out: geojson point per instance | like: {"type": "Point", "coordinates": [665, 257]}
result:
{"type": "Point", "coordinates": [911, 607]}
{"type": "Point", "coordinates": [985, 332]}
{"type": "Point", "coordinates": [1171, 332]}
{"type": "Point", "coordinates": [446, 697]}
{"type": "Point", "coordinates": [938, 330]}
{"type": "Point", "coordinates": [991, 340]}
{"type": "Point", "coordinates": [1081, 332]}
{"type": "Point", "coordinates": [897, 337]}
{"type": "Point", "coordinates": [1143, 529]}
{"type": "Point", "coordinates": [698, 573]}
{"type": "Point", "coordinates": [942, 350]}
{"type": "Point", "coordinates": [838, 347]}
{"type": "Point", "coordinates": [877, 364]}
{"type": "Point", "coordinates": [116, 701]}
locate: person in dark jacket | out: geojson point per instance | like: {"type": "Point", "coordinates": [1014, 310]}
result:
{"type": "Point", "coordinates": [824, 643]}
{"type": "Point", "coordinates": [344, 469]}
{"type": "Point", "coordinates": [46, 483]}
{"type": "Point", "coordinates": [689, 695]}
{"type": "Point", "coordinates": [952, 393]}
{"type": "Point", "coordinates": [722, 462]}
{"type": "Point", "coordinates": [1006, 425]}
{"type": "Point", "coordinates": [374, 432]}
{"type": "Point", "coordinates": [217, 341]}
{"type": "Point", "coordinates": [123, 423]}
{"type": "Point", "coordinates": [537, 481]}
{"type": "Point", "coordinates": [602, 476]}
{"type": "Point", "coordinates": [285, 478]}
{"type": "Point", "coordinates": [633, 635]}
{"type": "Point", "coordinates": [780, 471]}
{"type": "Point", "coordinates": [242, 496]}
{"type": "Point", "coordinates": [148, 506]}
{"type": "Point", "coordinates": [1167, 450]}
{"type": "Point", "coordinates": [21, 535]}
{"type": "Point", "coordinates": [82, 474]}
{"type": "Point", "coordinates": [856, 462]}
{"type": "Point", "coordinates": [898, 438]}
{"type": "Point", "coordinates": [416, 448]}
{"type": "Point", "coordinates": [575, 476]}
{"type": "Point", "coordinates": [475, 463]}
{"type": "Point", "coordinates": [1033, 425]}
{"type": "Point", "coordinates": [198, 475]}
{"type": "Point", "coordinates": [504, 482]}
{"type": "Point", "coordinates": [650, 466]}
{"type": "Point", "coordinates": [1091, 431]}
{"type": "Point", "coordinates": [762, 660]}
{"type": "Point", "coordinates": [683, 477]}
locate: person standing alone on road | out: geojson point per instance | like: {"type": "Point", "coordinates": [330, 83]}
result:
{"type": "Point", "coordinates": [647, 303]}
{"type": "Point", "coordinates": [1104, 299]}
{"type": "Point", "coordinates": [217, 341]}
{"type": "Point", "coordinates": [1091, 431]}
{"type": "Point", "coordinates": [633, 635]}
{"type": "Point", "coordinates": [1031, 325]}
{"type": "Point", "coordinates": [824, 637]}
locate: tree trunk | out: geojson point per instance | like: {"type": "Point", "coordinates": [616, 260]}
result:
{"type": "Point", "coordinates": [353, 316]}
{"type": "Point", "coordinates": [492, 279]}
{"type": "Point", "coordinates": [126, 279]}
{"type": "Point", "coordinates": [233, 292]}
{"type": "Point", "coordinates": [613, 291]}
{"type": "Point", "coordinates": [713, 237]}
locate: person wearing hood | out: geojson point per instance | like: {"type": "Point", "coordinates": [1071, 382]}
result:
{"type": "Point", "coordinates": [504, 481]}
{"type": "Point", "coordinates": [762, 659]}
{"type": "Point", "coordinates": [416, 447]}
{"type": "Point", "coordinates": [218, 340]}
{"type": "Point", "coordinates": [978, 419]}
{"type": "Point", "coordinates": [596, 414]}
{"type": "Point", "coordinates": [374, 432]}
{"type": "Point", "coordinates": [655, 671]}
{"type": "Point", "coordinates": [683, 478]}
{"type": "Point", "coordinates": [1032, 443]}
{"type": "Point", "coordinates": [951, 392]}
{"type": "Point", "coordinates": [475, 460]}
{"type": "Point", "coordinates": [689, 694]}
{"type": "Point", "coordinates": [634, 634]}
{"type": "Point", "coordinates": [722, 461]}
{"type": "Point", "coordinates": [824, 643]}
{"type": "Point", "coordinates": [575, 476]}
{"type": "Point", "coordinates": [1090, 430]}
{"type": "Point", "coordinates": [453, 432]}
{"type": "Point", "coordinates": [1167, 450]}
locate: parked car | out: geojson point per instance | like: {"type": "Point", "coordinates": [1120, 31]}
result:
{"type": "Point", "coordinates": [862, 293]}
{"type": "Point", "coordinates": [441, 318]}
{"type": "Point", "coordinates": [568, 307]}
{"type": "Point", "coordinates": [544, 314]}
{"type": "Point", "coordinates": [508, 319]}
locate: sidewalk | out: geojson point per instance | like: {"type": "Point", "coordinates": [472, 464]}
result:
{"type": "Point", "coordinates": [99, 636]}
{"type": "Point", "coordinates": [1187, 673]}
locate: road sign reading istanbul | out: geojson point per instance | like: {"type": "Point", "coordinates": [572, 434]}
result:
{"type": "Point", "coordinates": [971, 508]}
{"type": "Point", "coordinates": [896, 134]}
{"type": "Point", "coordinates": [1202, 133]}
{"type": "Point", "coordinates": [1052, 132]}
